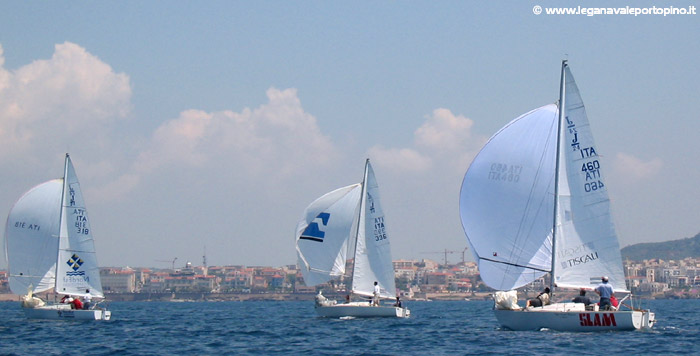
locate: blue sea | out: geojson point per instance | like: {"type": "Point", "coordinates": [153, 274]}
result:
{"type": "Point", "coordinates": [292, 328]}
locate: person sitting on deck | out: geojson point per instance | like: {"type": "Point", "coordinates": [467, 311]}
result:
{"type": "Point", "coordinates": [541, 300]}
{"type": "Point", "coordinates": [398, 302]}
{"type": "Point", "coordinates": [613, 302]}
{"type": "Point", "coordinates": [76, 304]}
{"type": "Point", "coordinates": [582, 298]}
{"type": "Point", "coordinates": [66, 299]}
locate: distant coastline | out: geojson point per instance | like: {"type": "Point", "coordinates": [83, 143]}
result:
{"type": "Point", "coordinates": [243, 297]}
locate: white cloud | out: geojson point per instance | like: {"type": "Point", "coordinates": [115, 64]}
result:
{"type": "Point", "coordinates": [444, 139]}
{"type": "Point", "coordinates": [404, 159]}
{"type": "Point", "coordinates": [633, 167]}
{"type": "Point", "coordinates": [49, 104]}
{"type": "Point", "coordinates": [276, 139]}
{"type": "Point", "coordinates": [444, 131]}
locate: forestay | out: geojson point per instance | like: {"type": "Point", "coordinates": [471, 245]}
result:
{"type": "Point", "coordinates": [324, 232]}
{"type": "Point", "coordinates": [77, 268]}
{"type": "Point", "coordinates": [373, 251]}
{"type": "Point", "coordinates": [31, 238]}
{"type": "Point", "coordinates": [586, 242]}
{"type": "Point", "coordinates": [506, 201]}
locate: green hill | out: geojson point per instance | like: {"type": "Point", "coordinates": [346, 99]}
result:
{"type": "Point", "coordinates": [668, 250]}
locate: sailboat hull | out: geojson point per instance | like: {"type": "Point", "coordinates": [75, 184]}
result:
{"type": "Point", "coordinates": [63, 312]}
{"type": "Point", "coordinates": [361, 310]}
{"type": "Point", "coordinates": [569, 317]}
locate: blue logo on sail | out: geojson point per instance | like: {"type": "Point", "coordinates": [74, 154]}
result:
{"type": "Point", "coordinates": [313, 232]}
{"type": "Point", "coordinates": [74, 262]}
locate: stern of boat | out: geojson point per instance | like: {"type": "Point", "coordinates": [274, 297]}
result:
{"type": "Point", "coordinates": [403, 312]}
{"type": "Point", "coordinates": [105, 315]}
{"type": "Point", "coordinates": [648, 319]}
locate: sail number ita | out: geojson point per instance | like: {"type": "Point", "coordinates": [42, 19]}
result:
{"type": "Point", "coordinates": [24, 225]}
{"type": "Point", "coordinates": [505, 172]}
{"type": "Point", "coordinates": [81, 221]}
{"type": "Point", "coordinates": [592, 171]}
{"type": "Point", "coordinates": [379, 229]}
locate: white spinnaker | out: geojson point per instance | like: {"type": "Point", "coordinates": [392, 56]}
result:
{"type": "Point", "coordinates": [323, 233]}
{"type": "Point", "coordinates": [373, 251]}
{"type": "Point", "coordinates": [77, 268]}
{"type": "Point", "coordinates": [507, 201]}
{"type": "Point", "coordinates": [586, 242]}
{"type": "Point", "coordinates": [31, 238]}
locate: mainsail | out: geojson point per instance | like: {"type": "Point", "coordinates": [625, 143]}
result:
{"type": "Point", "coordinates": [31, 238]}
{"type": "Point", "coordinates": [586, 243]}
{"type": "Point", "coordinates": [372, 251]}
{"type": "Point", "coordinates": [77, 268]}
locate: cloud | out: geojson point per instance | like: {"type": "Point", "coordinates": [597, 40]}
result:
{"type": "Point", "coordinates": [403, 159]}
{"type": "Point", "coordinates": [444, 131]}
{"type": "Point", "coordinates": [67, 98]}
{"type": "Point", "coordinates": [633, 167]}
{"type": "Point", "coordinates": [276, 139]}
{"type": "Point", "coordinates": [444, 139]}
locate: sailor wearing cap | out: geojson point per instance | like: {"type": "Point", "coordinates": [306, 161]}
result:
{"type": "Point", "coordinates": [605, 290]}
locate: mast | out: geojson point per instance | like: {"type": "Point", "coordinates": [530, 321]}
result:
{"type": "Point", "coordinates": [359, 215]}
{"type": "Point", "coordinates": [562, 98]}
{"type": "Point", "coordinates": [60, 222]}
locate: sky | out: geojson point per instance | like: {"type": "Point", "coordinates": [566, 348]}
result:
{"type": "Point", "coordinates": [206, 127]}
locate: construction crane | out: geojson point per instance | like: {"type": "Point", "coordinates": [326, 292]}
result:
{"type": "Point", "coordinates": [446, 251]}
{"type": "Point", "coordinates": [169, 261]}
{"type": "Point", "coordinates": [463, 252]}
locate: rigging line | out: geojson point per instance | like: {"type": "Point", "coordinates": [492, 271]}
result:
{"type": "Point", "coordinates": [514, 264]}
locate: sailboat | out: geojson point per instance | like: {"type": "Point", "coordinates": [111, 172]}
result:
{"type": "Point", "coordinates": [349, 218]}
{"type": "Point", "coordinates": [534, 202]}
{"type": "Point", "coordinates": [49, 245]}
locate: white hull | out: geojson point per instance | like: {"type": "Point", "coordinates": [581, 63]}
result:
{"type": "Point", "coordinates": [64, 312]}
{"type": "Point", "coordinates": [361, 310]}
{"type": "Point", "coordinates": [573, 317]}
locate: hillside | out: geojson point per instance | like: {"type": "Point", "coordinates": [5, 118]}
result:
{"type": "Point", "coordinates": [668, 250]}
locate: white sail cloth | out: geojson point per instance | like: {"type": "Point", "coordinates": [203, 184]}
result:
{"type": "Point", "coordinates": [323, 234]}
{"type": "Point", "coordinates": [373, 251]}
{"type": "Point", "coordinates": [77, 268]}
{"type": "Point", "coordinates": [31, 238]}
{"type": "Point", "coordinates": [586, 243]}
{"type": "Point", "coordinates": [506, 202]}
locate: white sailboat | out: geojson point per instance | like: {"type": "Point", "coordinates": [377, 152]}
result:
{"type": "Point", "coordinates": [349, 218]}
{"type": "Point", "coordinates": [49, 245]}
{"type": "Point", "coordinates": [534, 202]}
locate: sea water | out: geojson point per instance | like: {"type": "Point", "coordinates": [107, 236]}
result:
{"type": "Point", "coordinates": [292, 328]}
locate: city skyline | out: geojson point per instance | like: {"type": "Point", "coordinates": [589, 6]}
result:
{"type": "Point", "coordinates": [212, 126]}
